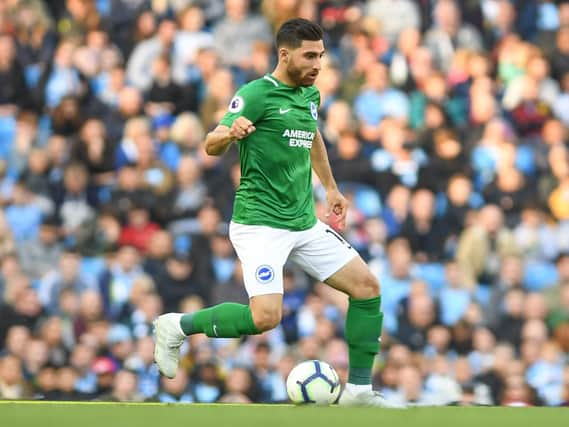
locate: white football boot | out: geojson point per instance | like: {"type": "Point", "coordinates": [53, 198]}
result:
{"type": "Point", "coordinates": [367, 398]}
{"type": "Point", "coordinates": [169, 339]}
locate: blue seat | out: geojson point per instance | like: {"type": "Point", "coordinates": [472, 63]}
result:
{"type": "Point", "coordinates": [482, 294]}
{"type": "Point", "coordinates": [366, 199]}
{"type": "Point", "coordinates": [433, 274]}
{"type": "Point", "coordinates": [539, 275]}
{"type": "Point", "coordinates": [7, 133]}
{"type": "Point", "coordinates": [91, 268]}
{"type": "Point", "coordinates": [454, 303]}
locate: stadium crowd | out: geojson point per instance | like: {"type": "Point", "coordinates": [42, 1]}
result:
{"type": "Point", "coordinates": [446, 123]}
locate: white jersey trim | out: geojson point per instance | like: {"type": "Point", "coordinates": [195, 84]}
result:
{"type": "Point", "coordinates": [273, 81]}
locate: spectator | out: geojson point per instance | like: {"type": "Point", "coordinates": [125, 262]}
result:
{"type": "Point", "coordinates": [81, 359]}
{"type": "Point", "coordinates": [482, 245]}
{"type": "Point", "coordinates": [190, 38]}
{"type": "Point", "coordinates": [425, 233]}
{"type": "Point", "coordinates": [396, 209]}
{"type": "Point", "coordinates": [241, 387]}
{"type": "Point", "coordinates": [207, 386]}
{"type": "Point", "coordinates": [129, 105]}
{"type": "Point", "coordinates": [377, 100]}
{"type": "Point", "coordinates": [45, 387]}
{"type": "Point", "coordinates": [398, 162]}
{"type": "Point", "coordinates": [105, 369]}
{"type": "Point", "coordinates": [163, 94]}
{"type": "Point", "coordinates": [191, 191]}
{"type": "Point", "coordinates": [177, 282]}
{"type": "Point", "coordinates": [449, 26]}
{"type": "Point", "coordinates": [454, 297]}
{"type": "Point", "coordinates": [350, 164]}
{"type": "Point", "coordinates": [271, 384]}
{"type": "Point", "coordinates": [12, 385]}
{"type": "Point", "coordinates": [24, 216]}
{"type": "Point", "coordinates": [51, 332]}
{"type": "Point", "coordinates": [410, 387]}
{"type": "Point", "coordinates": [146, 51]}
{"type": "Point", "coordinates": [14, 93]}
{"type": "Point", "coordinates": [553, 294]}
{"type": "Point", "coordinates": [160, 247]}
{"type": "Point", "coordinates": [75, 201]}
{"type": "Point", "coordinates": [116, 281]}
{"type": "Point", "coordinates": [413, 327]}
{"type": "Point", "coordinates": [94, 150]}
{"type": "Point", "coordinates": [124, 388]}
{"type": "Point", "coordinates": [560, 56]}
{"type": "Point", "coordinates": [176, 390]}
{"type": "Point", "coordinates": [235, 35]}
{"type": "Point", "coordinates": [138, 230]}
{"type": "Point", "coordinates": [535, 238]}
{"type": "Point", "coordinates": [217, 98]}
{"type": "Point", "coordinates": [128, 192]}
{"type": "Point", "coordinates": [25, 310]}
{"type": "Point", "coordinates": [36, 175]}
{"type": "Point", "coordinates": [510, 322]}
{"type": "Point", "coordinates": [394, 16]}
{"type": "Point", "coordinates": [37, 257]}
{"type": "Point", "coordinates": [142, 362]}
{"type": "Point", "coordinates": [17, 339]}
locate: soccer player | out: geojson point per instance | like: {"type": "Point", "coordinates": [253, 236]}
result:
{"type": "Point", "coordinates": [274, 122]}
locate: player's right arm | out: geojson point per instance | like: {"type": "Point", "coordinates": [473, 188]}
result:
{"type": "Point", "coordinates": [218, 140]}
{"type": "Point", "coordinates": [245, 109]}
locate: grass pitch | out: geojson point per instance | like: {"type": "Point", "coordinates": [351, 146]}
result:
{"type": "Point", "coordinates": [97, 414]}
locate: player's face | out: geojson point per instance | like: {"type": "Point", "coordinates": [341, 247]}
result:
{"type": "Point", "coordinates": [304, 62]}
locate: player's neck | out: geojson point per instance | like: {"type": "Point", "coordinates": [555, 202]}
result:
{"type": "Point", "coordinates": [282, 76]}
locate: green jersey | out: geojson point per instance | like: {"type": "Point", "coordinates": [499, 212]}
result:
{"type": "Point", "coordinates": [276, 171]}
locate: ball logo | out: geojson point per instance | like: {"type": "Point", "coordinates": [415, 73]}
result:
{"type": "Point", "coordinates": [236, 104]}
{"type": "Point", "coordinates": [313, 110]}
{"type": "Point", "coordinates": [264, 274]}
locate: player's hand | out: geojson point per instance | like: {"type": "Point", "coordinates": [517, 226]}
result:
{"type": "Point", "coordinates": [337, 205]}
{"type": "Point", "coordinates": [241, 128]}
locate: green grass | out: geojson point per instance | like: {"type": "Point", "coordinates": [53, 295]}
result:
{"type": "Point", "coordinates": [95, 414]}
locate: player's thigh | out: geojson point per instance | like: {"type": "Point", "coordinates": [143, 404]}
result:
{"type": "Point", "coordinates": [322, 252]}
{"type": "Point", "coordinates": [263, 252]}
{"type": "Point", "coordinates": [355, 279]}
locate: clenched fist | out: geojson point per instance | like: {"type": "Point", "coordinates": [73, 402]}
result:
{"type": "Point", "coordinates": [241, 128]}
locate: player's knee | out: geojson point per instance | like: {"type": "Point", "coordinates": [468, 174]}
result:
{"type": "Point", "coordinates": [366, 287]}
{"type": "Point", "coordinates": [266, 318]}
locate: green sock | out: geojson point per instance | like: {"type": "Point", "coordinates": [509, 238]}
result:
{"type": "Point", "coordinates": [363, 329]}
{"type": "Point", "coordinates": [227, 320]}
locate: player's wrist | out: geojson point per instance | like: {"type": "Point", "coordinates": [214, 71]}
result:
{"type": "Point", "coordinates": [331, 188]}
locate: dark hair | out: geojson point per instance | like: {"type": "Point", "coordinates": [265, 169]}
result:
{"type": "Point", "coordinates": [294, 31]}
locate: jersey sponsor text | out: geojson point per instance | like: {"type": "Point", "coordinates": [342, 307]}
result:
{"type": "Point", "coordinates": [299, 138]}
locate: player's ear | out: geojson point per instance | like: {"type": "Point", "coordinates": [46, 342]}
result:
{"type": "Point", "coordinates": [284, 54]}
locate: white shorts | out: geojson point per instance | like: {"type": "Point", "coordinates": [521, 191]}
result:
{"type": "Point", "coordinates": [319, 251]}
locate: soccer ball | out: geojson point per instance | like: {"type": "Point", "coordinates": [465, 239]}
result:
{"type": "Point", "coordinates": [313, 381]}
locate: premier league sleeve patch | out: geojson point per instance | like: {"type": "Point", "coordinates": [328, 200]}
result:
{"type": "Point", "coordinates": [236, 104]}
{"type": "Point", "coordinates": [313, 110]}
{"type": "Point", "coordinates": [264, 274]}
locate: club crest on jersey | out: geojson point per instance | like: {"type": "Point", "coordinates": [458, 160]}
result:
{"type": "Point", "coordinates": [313, 110]}
{"type": "Point", "coordinates": [236, 104]}
{"type": "Point", "coordinates": [264, 274]}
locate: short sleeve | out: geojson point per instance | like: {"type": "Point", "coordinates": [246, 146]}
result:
{"type": "Point", "coordinates": [247, 102]}
{"type": "Point", "coordinates": [317, 96]}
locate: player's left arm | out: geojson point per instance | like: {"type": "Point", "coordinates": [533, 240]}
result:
{"type": "Point", "coordinates": [337, 203]}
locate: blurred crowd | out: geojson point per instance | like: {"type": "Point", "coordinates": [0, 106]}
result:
{"type": "Point", "coordinates": [446, 124]}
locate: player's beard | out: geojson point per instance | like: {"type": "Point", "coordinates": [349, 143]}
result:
{"type": "Point", "coordinates": [298, 76]}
